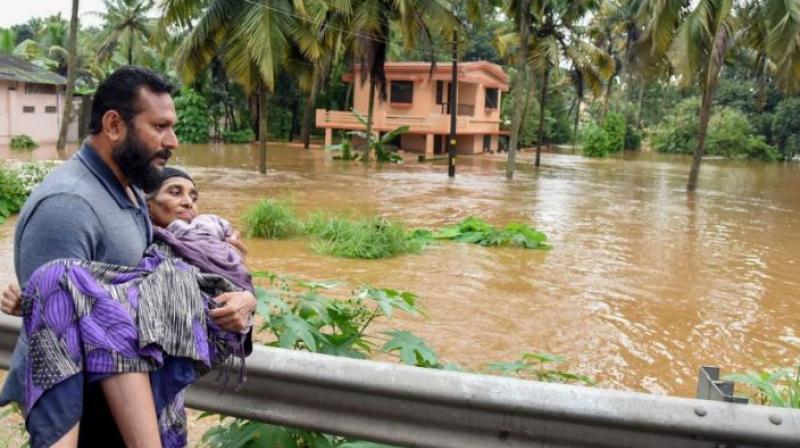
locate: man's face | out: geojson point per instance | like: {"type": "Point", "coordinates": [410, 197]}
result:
{"type": "Point", "coordinates": [149, 140]}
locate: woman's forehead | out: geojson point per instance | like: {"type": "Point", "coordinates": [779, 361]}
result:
{"type": "Point", "coordinates": [178, 181]}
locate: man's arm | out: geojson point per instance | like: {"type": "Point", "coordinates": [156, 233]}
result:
{"type": "Point", "coordinates": [62, 226]}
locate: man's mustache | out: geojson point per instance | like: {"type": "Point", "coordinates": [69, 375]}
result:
{"type": "Point", "coordinates": [162, 154]}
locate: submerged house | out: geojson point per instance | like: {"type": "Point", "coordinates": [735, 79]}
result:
{"type": "Point", "coordinates": [31, 101]}
{"type": "Point", "coordinates": [418, 97]}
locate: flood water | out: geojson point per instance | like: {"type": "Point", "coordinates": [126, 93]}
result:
{"type": "Point", "coordinates": [644, 283]}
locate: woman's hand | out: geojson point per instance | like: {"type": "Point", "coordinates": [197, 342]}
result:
{"type": "Point", "coordinates": [236, 241]}
{"type": "Point", "coordinates": [12, 300]}
{"type": "Point", "coordinates": [235, 312]}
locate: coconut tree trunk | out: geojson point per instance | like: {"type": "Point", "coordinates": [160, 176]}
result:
{"type": "Point", "coordinates": [542, 101]}
{"type": "Point", "coordinates": [609, 86]}
{"type": "Point", "coordinates": [370, 111]}
{"type": "Point", "coordinates": [516, 117]}
{"type": "Point", "coordinates": [309, 108]}
{"type": "Point", "coordinates": [72, 62]}
{"type": "Point", "coordinates": [262, 127]}
{"type": "Point", "coordinates": [130, 47]}
{"type": "Point", "coordinates": [641, 106]}
{"type": "Point", "coordinates": [577, 120]}
{"type": "Point", "coordinates": [531, 88]}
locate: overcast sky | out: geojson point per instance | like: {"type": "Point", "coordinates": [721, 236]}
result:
{"type": "Point", "coordinates": [19, 11]}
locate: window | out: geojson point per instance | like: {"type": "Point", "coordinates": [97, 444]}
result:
{"type": "Point", "coordinates": [439, 92]}
{"type": "Point", "coordinates": [39, 89]}
{"type": "Point", "coordinates": [402, 92]}
{"type": "Point", "coordinates": [28, 109]}
{"type": "Point", "coordinates": [49, 109]}
{"type": "Point", "coordinates": [491, 99]}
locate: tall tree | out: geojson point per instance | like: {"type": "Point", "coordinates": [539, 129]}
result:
{"type": "Point", "coordinates": [521, 10]}
{"type": "Point", "coordinates": [72, 71]}
{"type": "Point", "coordinates": [127, 23]}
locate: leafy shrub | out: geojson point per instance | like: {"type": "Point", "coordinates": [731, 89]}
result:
{"type": "Point", "coordinates": [365, 238]}
{"type": "Point", "coordinates": [615, 126]}
{"type": "Point", "coordinates": [194, 117]}
{"type": "Point", "coordinates": [595, 141]}
{"type": "Point", "coordinates": [239, 136]}
{"type": "Point", "coordinates": [279, 122]}
{"type": "Point", "coordinates": [477, 231]}
{"type": "Point", "coordinates": [271, 219]}
{"type": "Point", "coordinates": [22, 142]}
{"type": "Point", "coordinates": [16, 185]}
{"type": "Point", "coordinates": [345, 149]}
{"type": "Point", "coordinates": [786, 127]}
{"type": "Point", "coordinates": [633, 137]}
{"type": "Point", "coordinates": [780, 387]}
{"type": "Point", "coordinates": [537, 366]}
{"type": "Point", "coordinates": [730, 134]}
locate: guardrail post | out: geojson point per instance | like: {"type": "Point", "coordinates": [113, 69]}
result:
{"type": "Point", "coordinates": [710, 387]}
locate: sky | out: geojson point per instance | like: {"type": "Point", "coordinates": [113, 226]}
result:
{"type": "Point", "coordinates": [19, 11]}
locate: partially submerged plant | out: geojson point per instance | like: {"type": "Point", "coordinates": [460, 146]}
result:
{"type": "Point", "coordinates": [780, 387]}
{"type": "Point", "coordinates": [474, 230]}
{"type": "Point", "coordinates": [540, 366]}
{"type": "Point", "coordinates": [271, 219]}
{"type": "Point", "coordinates": [365, 238]}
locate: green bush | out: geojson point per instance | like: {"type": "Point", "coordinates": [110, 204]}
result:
{"type": "Point", "coordinates": [633, 137]}
{"type": "Point", "coordinates": [194, 117]}
{"type": "Point", "coordinates": [595, 141]}
{"type": "Point", "coordinates": [23, 142]}
{"type": "Point", "coordinates": [16, 185]}
{"type": "Point", "coordinates": [786, 127]}
{"type": "Point", "coordinates": [365, 238]}
{"type": "Point", "coordinates": [614, 125]}
{"type": "Point", "coordinates": [272, 219]}
{"type": "Point", "coordinates": [730, 134]}
{"type": "Point", "coordinates": [239, 136]}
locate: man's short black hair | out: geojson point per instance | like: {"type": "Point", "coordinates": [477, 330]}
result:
{"type": "Point", "coordinates": [120, 92]}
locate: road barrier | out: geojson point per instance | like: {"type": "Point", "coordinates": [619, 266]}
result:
{"type": "Point", "coordinates": [412, 406]}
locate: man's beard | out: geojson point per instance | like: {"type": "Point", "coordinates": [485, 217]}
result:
{"type": "Point", "coordinates": [136, 162]}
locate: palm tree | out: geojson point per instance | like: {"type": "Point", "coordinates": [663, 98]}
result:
{"type": "Point", "coordinates": [521, 14]}
{"type": "Point", "coordinates": [126, 23]}
{"type": "Point", "coordinates": [72, 70]}
{"type": "Point", "coordinates": [370, 23]}
{"type": "Point", "coordinates": [252, 39]}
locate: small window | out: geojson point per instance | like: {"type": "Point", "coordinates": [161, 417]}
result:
{"type": "Point", "coordinates": [49, 109]}
{"type": "Point", "coordinates": [28, 109]}
{"type": "Point", "coordinates": [491, 99]}
{"type": "Point", "coordinates": [402, 92]}
{"type": "Point", "coordinates": [439, 92]}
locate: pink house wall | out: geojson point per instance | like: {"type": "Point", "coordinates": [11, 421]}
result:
{"type": "Point", "coordinates": [41, 125]}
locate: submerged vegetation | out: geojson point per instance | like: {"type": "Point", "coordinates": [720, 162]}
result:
{"type": "Point", "coordinates": [364, 238]}
{"type": "Point", "coordinates": [477, 231]}
{"type": "Point", "coordinates": [780, 387]}
{"type": "Point", "coordinates": [271, 219]}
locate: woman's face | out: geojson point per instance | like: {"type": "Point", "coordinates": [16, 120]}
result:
{"type": "Point", "coordinates": [176, 199]}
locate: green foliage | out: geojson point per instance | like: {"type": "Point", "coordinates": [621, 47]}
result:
{"type": "Point", "coordinates": [194, 117]}
{"type": "Point", "coordinates": [633, 136]}
{"type": "Point", "coordinates": [16, 184]}
{"type": "Point", "coordinates": [780, 387]}
{"type": "Point", "coordinates": [364, 238]}
{"type": "Point", "coordinates": [786, 127]}
{"type": "Point", "coordinates": [477, 231]}
{"type": "Point", "coordinates": [610, 138]}
{"type": "Point", "coordinates": [271, 219]}
{"type": "Point", "coordinates": [730, 134]}
{"type": "Point", "coordinates": [245, 135]}
{"type": "Point", "coordinates": [345, 149]}
{"type": "Point", "coordinates": [23, 142]}
{"type": "Point", "coordinates": [595, 141]}
{"type": "Point", "coordinates": [538, 366]}
{"type": "Point", "coordinates": [381, 145]}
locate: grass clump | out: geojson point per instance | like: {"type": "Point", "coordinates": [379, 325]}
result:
{"type": "Point", "coordinates": [23, 142]}
{"type": "Point", "coordinates": [272, 219]}
{"type": "Point", "coordinates": [365, 238]}
{"type": "Point", "coordinates": [474, 230]}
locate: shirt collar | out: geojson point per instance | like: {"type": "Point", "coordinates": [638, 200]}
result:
{"type": "Point", "coordinates": [88, 156]}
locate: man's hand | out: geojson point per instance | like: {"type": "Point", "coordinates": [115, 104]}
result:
{"type": "Point", "coordinates": [236, 241]}
{"type": "Point", "coordinates": [235, 312]}
{"type": "Point", "coordinates": [12, 300]}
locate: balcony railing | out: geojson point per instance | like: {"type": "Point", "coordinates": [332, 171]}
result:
{"type": "Point", "coordinates": [464, 110]}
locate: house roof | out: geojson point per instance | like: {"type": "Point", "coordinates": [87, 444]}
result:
{"type": "Point", "coordinates": [13, 68]}
{"type": "Point", "coordinates": [467, 71]}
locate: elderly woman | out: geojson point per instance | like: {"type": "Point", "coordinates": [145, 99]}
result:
{"type": "Point", "coordinates": [166, 318]}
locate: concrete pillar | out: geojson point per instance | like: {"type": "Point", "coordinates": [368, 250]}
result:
{"type": "Point", "coordinates": [429, 144]}
{"type": "Point", "coordinates": [328, 137]}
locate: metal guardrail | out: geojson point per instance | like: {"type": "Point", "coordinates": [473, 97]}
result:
{"type": "Point", "coordinates": [433, 408]}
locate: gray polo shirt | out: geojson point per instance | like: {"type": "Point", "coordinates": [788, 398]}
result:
{"type": "Point", "coordinates": [79, 211]}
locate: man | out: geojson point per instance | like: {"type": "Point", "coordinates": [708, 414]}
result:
{"type": "Point", "coordinates": [91, 208]}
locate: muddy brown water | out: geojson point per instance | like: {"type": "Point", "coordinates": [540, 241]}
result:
{"type": "Point", "coordinates": [644, 283]}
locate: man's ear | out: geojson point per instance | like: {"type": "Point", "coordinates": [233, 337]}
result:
{"type": "Point", "coordinates": [114, 126]}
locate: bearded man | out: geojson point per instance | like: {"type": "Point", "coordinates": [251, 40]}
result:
{"type": "Point", "coordinates": [92, 208]}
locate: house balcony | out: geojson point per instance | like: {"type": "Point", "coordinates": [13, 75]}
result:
{"type": "Point", "coordinates": [433, 123]}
